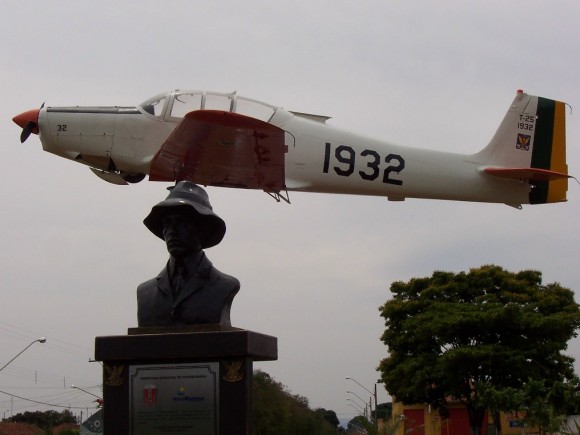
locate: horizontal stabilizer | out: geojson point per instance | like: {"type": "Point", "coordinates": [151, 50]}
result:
{"type": "Point", "coordinates": [528, 174]}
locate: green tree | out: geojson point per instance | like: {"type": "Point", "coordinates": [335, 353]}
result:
{"type": "Point", "coordinates": [546, 405]}
{"type": "Point", "coordinates": [476, 337]}
{"type": "Point", "coordinates": [44, 419]}
{"type": "Point", "coordinates": [328, 415]}
{"type": "Point", "coordinates": [500, 399]}
{"type": "Point", "coordinates": [357, 424]}
{"type": "Point", "coordinates": [389, 427]}
{"type": "Point", "coordinates": [277, 411]}
{"type": "Point", "coordinates": [385, 410]}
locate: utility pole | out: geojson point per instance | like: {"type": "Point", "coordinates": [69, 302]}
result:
{"type": "Point", "coordinates": [374, 394]}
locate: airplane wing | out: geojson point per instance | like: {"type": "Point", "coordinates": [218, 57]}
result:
{"type": "Point", "coordinates": [217, 148]}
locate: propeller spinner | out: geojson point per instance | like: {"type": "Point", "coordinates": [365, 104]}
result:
{"type": "Point", "coordinates": [28, 121]}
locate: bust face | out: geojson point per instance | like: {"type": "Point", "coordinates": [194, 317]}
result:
{"type": "Point", "coordinates": [181, 234]}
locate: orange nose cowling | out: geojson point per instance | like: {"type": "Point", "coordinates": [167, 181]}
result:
{"type": "Point", "coordinates": [28, 116]}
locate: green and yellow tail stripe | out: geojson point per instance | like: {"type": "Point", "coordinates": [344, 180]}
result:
{"type": "Point", "coordinates": [549, 151]}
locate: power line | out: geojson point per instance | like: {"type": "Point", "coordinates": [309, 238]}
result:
{"type": "Point", "coordinates": [43, 403]}
{"type": "Point", "coordinates": [42, 377]}
{"type": "Point", "coordinates": [25, 334]}
{"type": "Point", "coordinates": [61, 346]}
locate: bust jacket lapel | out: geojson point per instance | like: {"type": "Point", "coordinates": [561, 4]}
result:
{"type": "Point", "coordinates": [198, 279]}
{"type": "Point", "coordinates": [163, 282]}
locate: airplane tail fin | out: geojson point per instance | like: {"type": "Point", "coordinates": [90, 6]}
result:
{"type": "Point", "coordinates": [530, 145]}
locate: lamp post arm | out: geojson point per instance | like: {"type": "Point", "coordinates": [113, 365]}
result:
{"type": "Point", "coordinates": [360, 398]}
{"type": "Point", "coordinates": [88, 392]}
{"type": "Point", "coordinates": [360, 385]}
{"type": "Point", "coordinates": [370, 392]}
{"type": "Point", "coordinates": [357, 405]}
{"type": "Point", "coordinates": [40, 340]}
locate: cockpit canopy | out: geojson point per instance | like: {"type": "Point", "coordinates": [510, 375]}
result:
{"type": "Point", "coordinates": [174, 105]}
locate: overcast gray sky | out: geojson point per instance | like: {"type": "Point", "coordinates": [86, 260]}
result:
{"type": "Point", "coordinates": [436, 75]}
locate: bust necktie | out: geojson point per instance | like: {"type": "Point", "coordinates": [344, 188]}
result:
{"type": "Point", "coordinates": [179, 278]}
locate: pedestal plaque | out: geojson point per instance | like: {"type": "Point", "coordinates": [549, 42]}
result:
{"type": "Point", "coordinates": [174, 399]}
{"type": "Point", "coordinates": [180, 382]}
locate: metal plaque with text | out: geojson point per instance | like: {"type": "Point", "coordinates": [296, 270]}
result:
{"type": "Point", "coordinates": [174, 399]}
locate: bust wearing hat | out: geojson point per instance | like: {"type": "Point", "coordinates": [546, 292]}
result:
{"type": "Point", "coordinates": [189, 290]}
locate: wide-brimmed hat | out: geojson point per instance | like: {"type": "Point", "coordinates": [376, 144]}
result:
{"type": "Point", "coordinates": [189, 197]}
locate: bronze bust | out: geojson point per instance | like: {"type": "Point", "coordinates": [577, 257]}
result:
{"type": "Point", "coordinates": [189, 290]}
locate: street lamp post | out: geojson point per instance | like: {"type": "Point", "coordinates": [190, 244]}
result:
{"type": "Point", "coordinates": [364, 411]}
{"type": "Point", "coordinates": [364, 403]}
{"type": "Point", "coordinates": [88, 392]}
{"type": "Point", "coordinates": [99, 399]}
{"type": "Point", "coordinates": [40, 340]}
{"type": "Point", "coordinates": [373, 394]}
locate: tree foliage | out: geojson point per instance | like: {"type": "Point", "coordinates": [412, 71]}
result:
{"type": "Point", "coordinates": [277, 411]}
{"type": "Point", "coordinates": [390, 426]}
{"type": "Point", "coordinates": [476, 337]}
{"type": "Point", "coordinates": [329, 415]}
{"type": "Point", "coordinates": [546, 405]}
{"type": "Point", "coordinates": [44, 419]}
{"type": "Point", "coordinates": [385, 410]}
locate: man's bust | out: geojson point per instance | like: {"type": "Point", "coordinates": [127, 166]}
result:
{"type": "Point", "coordinates": [189, 290]}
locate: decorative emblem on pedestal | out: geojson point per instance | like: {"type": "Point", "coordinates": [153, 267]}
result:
{"type": "Point", "coordinates": [234, 371]}
{"type": "Point", "coordinates": [150, 395]}
{"type": "Point", "coordinates": [113, 376]}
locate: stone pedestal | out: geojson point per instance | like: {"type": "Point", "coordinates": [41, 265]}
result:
{"type": "Point", "coordinates": [181, 380]}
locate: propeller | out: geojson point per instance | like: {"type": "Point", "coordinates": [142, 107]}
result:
{"type": "Point", "coordinates": [27, 130]}
{"type": "Point", "coordinates": [28, 121]}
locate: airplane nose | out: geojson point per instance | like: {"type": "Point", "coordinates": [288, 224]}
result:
{"type": "Point", "coordinates": [28, 116]}
{"type": "Point", "coordinates": [28, 121]}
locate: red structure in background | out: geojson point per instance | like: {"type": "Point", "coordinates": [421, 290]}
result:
{"type": "Point", "coordinates": [420, 421]}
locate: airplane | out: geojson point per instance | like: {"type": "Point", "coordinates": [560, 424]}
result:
{"type": "Point", "coordinates": [222, 139]}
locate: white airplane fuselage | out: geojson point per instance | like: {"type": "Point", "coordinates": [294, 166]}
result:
{"type": "Point", "coordinates": [119, 143]}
